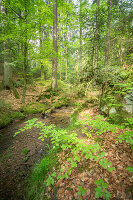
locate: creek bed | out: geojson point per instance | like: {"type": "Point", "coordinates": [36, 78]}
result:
{"type": "Point", "coordinates": [19, 154]}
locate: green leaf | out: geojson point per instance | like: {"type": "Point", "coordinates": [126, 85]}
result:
{"type": "Point", "coordinates": [110, 169]}
{"type": "Point", "coordinates": [130, 169]}
{"type": "Point", "coordinates": [49, 181]}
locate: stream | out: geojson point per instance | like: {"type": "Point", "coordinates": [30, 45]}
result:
{"type": "Point", "coordinates": [19, 154]}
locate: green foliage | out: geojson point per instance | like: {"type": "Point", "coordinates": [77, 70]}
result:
{"type": "Point", "coordinates": [63, 101]}
{"type": "Point", "coordinates": [46, 83]}
{"type": "Point", "coordinates": [129, 123]}
{"type": "Point", "coordinates": [81, 191]}
{"type": "Point", "coordinates": [98, 125]}
{"type": "Point", "coordinates": [74, 147]}
{"type": "Point", "coordinates": [113, 97]}
{"type": "Point", "coordinates": [127, 136]}
{"type": "Point", "coordinates": [4, 105]}
{"type": "Point", "coordinates": [1, 85]}
{"type": "Point", "coordinates": [25, 151]}
{"type": "Point", "coordinates": [130, 169]}
{"type": "Point", "coordinates": [35, 108]}
{"type": "Point", "coordinates": [55, 168]}
{"type": "Point", "coordinates": [101, 190]}
{"type": "Point", "coordinates": [8, 116]}
{"type": "Point", "coordinates": [37, 187]}
{"type": "Point", "coordinates": [62, 139]}
{"type": "Point", "coordinates": [26, 158]}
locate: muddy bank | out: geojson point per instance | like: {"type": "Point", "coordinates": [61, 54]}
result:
{"type": "Point", "coordinates": [18, 155]}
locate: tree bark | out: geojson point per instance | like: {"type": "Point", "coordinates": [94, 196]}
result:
{"type": "Point", "coordinates": [54, 62]}
{"type": "Point", "coordinates": [96, 39]}
{"type": "Point", "coordinates": [80, 31]}
{"type": "Point", "coordinates": [107, 48]}
{"type": "Point", "coordinates": [7, 67]}
{"type": "Point", "coordinates": [25, 56]}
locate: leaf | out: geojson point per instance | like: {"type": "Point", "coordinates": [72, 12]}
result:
{"type": "Point", "coordinates": [49, 181]}
{"type": "Point", "coordinates": [110, 169]}
{"type": "Point", "coordinates": [97, 182]}
{"type": "Point", "coordinates": [130, 169]}
{"type": "Point", "coordinates": [97, 194]}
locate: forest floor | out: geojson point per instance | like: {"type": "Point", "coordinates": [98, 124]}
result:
{"type": "Point", "coordinates": [18, 155]}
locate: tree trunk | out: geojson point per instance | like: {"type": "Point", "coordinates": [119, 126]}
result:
{"type": "Point", "coordinates": [41, 64]}
{"type": "Point", "coordinates": [54, 63]}
{"type": "Point", "coordinates": [25, 65]}
{"type": "Point", "coordinates": [7, 67]}
{"type": "Point", "coordinates": [80, 50]}
{"type": "Point", "coordinates": [96, 39]}
{"type": "Point", "coordinates": [7, 75]}
{"type": "Point", "coordinates": [107, 49]}
{"type": "Point", "coordinates": [121, 53]}
{"type": "Point", "coordinates": [66, 64]}
{"type": "Point", "coordinates": [25, 56]}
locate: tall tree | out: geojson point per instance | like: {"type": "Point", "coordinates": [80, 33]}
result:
{"type": "Point", "coordinates": [54, 62]}
{"type": "Point", "coordinates": [96, 36]}
{"type": "Point", "coordinates": [107, 48]}
{"type": "Point", "coordinates": [80, 37]}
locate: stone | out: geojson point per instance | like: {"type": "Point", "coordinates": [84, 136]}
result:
{"type": "Point", "coordinates": [112, 111]}
{"type": "Point", "coordinates": [129, 102]}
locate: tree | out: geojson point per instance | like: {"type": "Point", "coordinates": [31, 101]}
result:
{"type": "Point", "coordinates": [107, 48]}
{"type": "Point", "coordinates": [54, 62]}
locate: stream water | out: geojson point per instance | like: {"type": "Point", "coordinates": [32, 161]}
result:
{"type": "Point", "coordinates": [18, 155]}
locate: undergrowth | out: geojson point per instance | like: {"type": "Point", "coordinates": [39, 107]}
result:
{"type": "Point", "coordinates": [7, 115]}
{"type": "Point", "coordinates": [68, 152]}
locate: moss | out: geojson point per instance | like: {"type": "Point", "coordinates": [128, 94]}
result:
{"type": "Point", "coordinates": [36, 189]}
{"type": "Point", "coordinates": [1, 85]}
{"type": "Point", "coordinates": [8, 117]}
{"type": "Point", "coordinates": [35, 108]}
{"type": "Point", "coordinates": [122, 118]}
{"type": "Point", "coordinates": [17, 115]}
{"type": "Point", "coordinates": [46, 83]}
{"type": "Point", "coordinates": [62, 102]}
{"type": "Point", "coordinates": [4, 105]}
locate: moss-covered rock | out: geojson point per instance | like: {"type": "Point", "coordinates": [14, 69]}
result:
{"type": "Point", "coordinates": [62, 102]}
{"type": "Point", "coordinates": [8, 116]}
{"type": "Point", "coordinates": [35, 108]}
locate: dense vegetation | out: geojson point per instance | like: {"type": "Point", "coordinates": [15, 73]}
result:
{"type": "Point", "coordinates": [69, 53]}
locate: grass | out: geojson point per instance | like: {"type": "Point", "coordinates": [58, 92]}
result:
{"type": "Point", "coordinates": [36, 187]}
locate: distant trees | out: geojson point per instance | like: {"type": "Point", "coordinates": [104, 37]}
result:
{"type": "Point", "coordinates": [92, 39]}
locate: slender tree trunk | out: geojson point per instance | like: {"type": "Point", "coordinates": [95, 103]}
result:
{"type": "Point", "coordinates": [25, 56]}
{"type": "Point", "coordinates": [54, 63]}
{"type": "Point", "coordinates": [59, 43]}
{"type": "Point", "coordinates": [25, 65]}
{"type": "Point", "coordinates": [80, 50]}
{"type": "Point", "coordinates": [7, 67]}
{"type": "Point", "coordinates": [1, 50]}
{"type": "Point", "coordinates": [107, 49]}
{"type": "Point", "coordinates": [121, 56]}
{"type": "Point", "coordinates": [96, 39]}
{"type": "Point", "coordinates": [60, 71]}
{"type": "Point", "coordinates": [66, 64]}
{"type": "Point", "coordinates": [41, 64]}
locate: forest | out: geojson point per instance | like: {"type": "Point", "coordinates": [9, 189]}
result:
{"type": "Point", "coordinates": [66, 99]}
